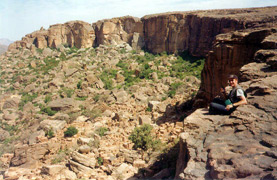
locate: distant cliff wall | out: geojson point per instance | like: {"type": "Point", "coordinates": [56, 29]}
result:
{"type": "Point", "coordinates": [173, 32]}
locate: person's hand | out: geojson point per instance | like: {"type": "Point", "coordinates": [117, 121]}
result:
{"type": "Point", "coordinates": [228, 107]}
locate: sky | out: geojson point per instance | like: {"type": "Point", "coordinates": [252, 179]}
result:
{"type": "Point", "coordinates": [21, 17]}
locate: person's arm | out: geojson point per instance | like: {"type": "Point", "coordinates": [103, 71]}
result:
{"type": "Point", "coordinates": [241, 102]}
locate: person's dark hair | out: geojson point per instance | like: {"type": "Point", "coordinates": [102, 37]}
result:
{"type": "Point", "coordinates": [232, 76]}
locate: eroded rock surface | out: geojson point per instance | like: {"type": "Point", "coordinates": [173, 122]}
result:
{"type": "Point", "coordinates": [242, 145]}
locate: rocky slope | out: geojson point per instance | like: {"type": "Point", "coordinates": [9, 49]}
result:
{"type": "Point", "coordinates": [44, 91]}
{"type": "Point", "coordinates": [119, 87]}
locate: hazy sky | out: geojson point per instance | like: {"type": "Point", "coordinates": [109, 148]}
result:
{"type": "Point", "coordinates": [21, 17]}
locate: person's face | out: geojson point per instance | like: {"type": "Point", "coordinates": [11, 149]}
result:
{"type": "Point", "coordinates": [233, 82]}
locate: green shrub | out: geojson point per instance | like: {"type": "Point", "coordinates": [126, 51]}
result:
{"type": "Point", "coordinates": [47, 98]}
{"type": "Point", "coordinates": [50, 133]}
{"type": "Point", "coordinates": [71, 131]}
{"type": "Point", "coordinates": [142, 138]}
{"type": "Point", "coordinates": [101, 131]}
{"type": "Point", "coordinates": [79, 84]}
{"type": "Point", "coordinates": [173, 88]}
{"type": "Point", "coordinates": [26, 98]}
{"type": "Point", "coordinates": [47, 110]}
{"type": "Point", "coordinates": [100, 161]}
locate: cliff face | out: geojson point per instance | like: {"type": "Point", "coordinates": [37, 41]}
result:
{"type": "Point", "coordinates": [171, 32]}
{"type": "Point", "coordinates": [119, 30]}
{"type": "Point", "coordinates": [242, 145]}
{"type": "Point", "coordinates": [230, 52]}
{"type": "Point", "coordinates": [179, 32]}
{"type": "Point", "coordinates": [75, 33]}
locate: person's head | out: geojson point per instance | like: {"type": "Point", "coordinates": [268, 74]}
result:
{"type": "Point", "coordinates": [233, 80]}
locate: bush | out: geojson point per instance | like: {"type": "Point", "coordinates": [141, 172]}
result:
{"type": "Point", "coordinates": [71, 131]}
{"type": "Point", "coordinates": [101, 131]}
{"type": "Point", "coordinates": [47, 98]}
{"type": "Point", "coordinates": [50, 133]}
{"type": "Point", "coordinates": [173, 88]}
{"type": "Point", "coordinates": [47, 110]}
{"type": "Point", "coordinates": [142, 138]}
{"type": "Point", "coordinates": [100, 161]}
{"type": "Point", "coordinates": [26, 98]}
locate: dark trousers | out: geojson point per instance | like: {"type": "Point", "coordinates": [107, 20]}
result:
{"type": "Point", "coordinates": [218, 106]}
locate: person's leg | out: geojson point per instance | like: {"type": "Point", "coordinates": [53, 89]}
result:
{"type": "Point", "coordinates": [216, 108]}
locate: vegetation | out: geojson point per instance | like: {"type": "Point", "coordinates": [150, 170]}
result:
{"type": "Point", "coordinates": [142, 138]}
{"type": "Point", "coordinates": [50, 133]}
{"type": "Point", "coordinates": [26, 97]}
{"type": "Point", "coordinates": [100, 161]}
{"type": "Point", "coordinates": [47, 110]}
{"type": "Point", "coordinates": [70, 131]}
{"type": "Point", "coordinates": [101, 131]}
{"type": "Point", "coordinates": [66, 92]}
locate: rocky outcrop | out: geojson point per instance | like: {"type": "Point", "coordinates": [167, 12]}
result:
{"type": "Point", "coordinates": [242, 145]}
{"type": "Point", "coordinates": [230, 52]}
{"type": "Point", "coordinates": [74, 33]}
{"type": "Point", "coordinates": [170, 32]}
{"type": "Point", "coordinates": [119, 30]}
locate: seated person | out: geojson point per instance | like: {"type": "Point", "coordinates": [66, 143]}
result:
{"type": "Point", "coordinates": [229, 103]}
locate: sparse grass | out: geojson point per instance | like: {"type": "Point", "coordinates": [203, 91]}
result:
{"type": "Point", "coordinates": [101, 131]}
{"type": "Point", "coordinates": [47, 98]}
{"type": "Point", "coordinates": [173, 88]}
{"type": "Point", "coordinates": [61, 156]}
{"type": "Point", "coordinates": [26, 97]}
{"type": "Point", "coordinates": [50, 133]}
{"type": "Point", "coordinates": [81, 98]}
{"type": "Point", "coordinates": [50, 63]}
{"type": "Point", "coordinates": [107, 76]}
{"type": "Point", "coordinates": [66, 92]}
{"type": "Point", "coordinates": [92, 114]}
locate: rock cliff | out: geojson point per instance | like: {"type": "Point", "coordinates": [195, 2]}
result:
{"type": "Point", "coordinates": [242, 145]}
{"type": "Point", "coordinates": [170, 32]}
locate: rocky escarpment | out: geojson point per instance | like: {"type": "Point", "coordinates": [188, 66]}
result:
{"type": "Point", "coordinates": [171, 32]}
{"type": "Point", "coordinates": [242, 145]}
{"type": "Point", "coordinates": [230, 52]}
{"type": "Point", "coordinates": [75, 33]}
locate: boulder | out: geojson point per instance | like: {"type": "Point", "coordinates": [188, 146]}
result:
{"type": "Point", "coordinates": [121, 96]}
{"type": "Point", "coordinates": [88, 161]}
{"type": "Point", "coordinates": [54, 125]}
{"type": "Point", "coordinates": [33, 138]}
{"type": "Point", "coordinates": [62, 104]}
{"type": "Point", "coordinates": [11, 102]}
{"type": "Point", "coordinates": [145, 119]}
{"type": "Point", "coordinates": [52, 170]}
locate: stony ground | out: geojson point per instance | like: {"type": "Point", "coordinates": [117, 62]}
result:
{"type": "Point", "coordinates": [104, 92]}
